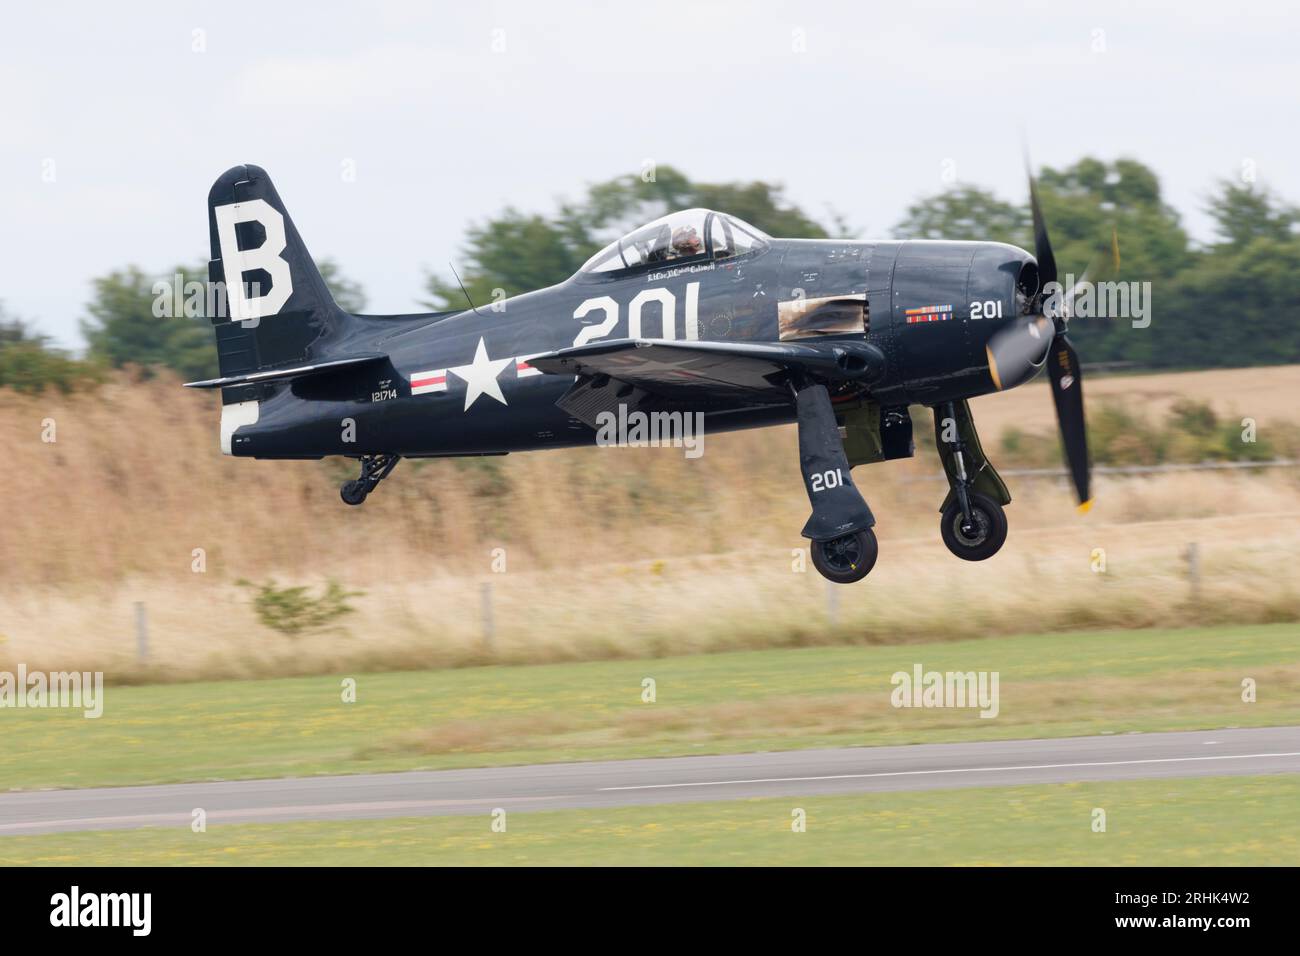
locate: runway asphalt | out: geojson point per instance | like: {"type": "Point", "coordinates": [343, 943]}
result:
{"type": "Point", "coordinates": [666, 780]}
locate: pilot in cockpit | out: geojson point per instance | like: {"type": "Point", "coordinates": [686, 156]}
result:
{"type": "Point", "coordinates": [686, 243]}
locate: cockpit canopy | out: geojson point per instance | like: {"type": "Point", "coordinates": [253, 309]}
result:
{"type": "Point", "coordinates": [691, 235]}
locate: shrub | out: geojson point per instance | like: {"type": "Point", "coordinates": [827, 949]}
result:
{"type": "Point", "coordinates": [1191, 433]}
{"type": "Point", "coordinates": [294, 611]}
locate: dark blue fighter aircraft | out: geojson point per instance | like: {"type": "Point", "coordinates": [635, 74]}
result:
{"type": "Point", "coordinates": [697, 312]}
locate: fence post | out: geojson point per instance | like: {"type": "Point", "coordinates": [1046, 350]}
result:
{"type": "Point", "coordinates": [1193, 556]}
{"type": "Point", "coordinates": [141, 633]}
{"type": "Point", "coordinates": [832, 603]}
{"type": "Point", "coordinates": [485, 590]}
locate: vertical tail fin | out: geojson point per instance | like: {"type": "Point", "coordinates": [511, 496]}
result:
{"type": "Point", "coordinates": [276, 307]}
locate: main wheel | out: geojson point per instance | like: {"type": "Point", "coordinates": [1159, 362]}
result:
{"type": "Point", "coordinates": [846, 559]}
{"type": "Point", "coordinates": [353, 492]}
{"type": "Point", "coordinates": [986, 534]}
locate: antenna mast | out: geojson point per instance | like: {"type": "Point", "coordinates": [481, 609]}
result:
{"type": "Point", "coordinates": [463, 289]}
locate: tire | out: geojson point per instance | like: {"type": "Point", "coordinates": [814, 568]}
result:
{"type": "Point", "coordinates": [353, 492]}
{"type": "Point", "coordinates": [846, 559]}
{"type": "Point", "coordinates": [990, 533]}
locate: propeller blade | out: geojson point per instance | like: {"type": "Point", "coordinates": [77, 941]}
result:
{"type": "Point", "coordinates": [1042, 244]}
{"type": "Point", "coordinates": [1067, 394]}
{"type": "Point", "coordinates": [1063, 366]}
{"type": "Point", "coordinates": [1016, 352]}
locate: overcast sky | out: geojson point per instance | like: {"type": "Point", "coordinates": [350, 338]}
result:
{"type": "Point", "coordinates": [116, 118]}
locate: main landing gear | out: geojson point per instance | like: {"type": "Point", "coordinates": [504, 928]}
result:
{"type": "Point", "coordinates": [973, 524]}
{"type": "Point", "coordinates": [843, 545]}
{"type": "Point", "coordinates": [374, 469]}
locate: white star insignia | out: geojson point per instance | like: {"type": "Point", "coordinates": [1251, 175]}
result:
{"type": "Point", "coordinates": [481, 376]}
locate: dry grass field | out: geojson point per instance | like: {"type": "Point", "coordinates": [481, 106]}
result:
{"type": "Point", "coordinates": [608, 552]}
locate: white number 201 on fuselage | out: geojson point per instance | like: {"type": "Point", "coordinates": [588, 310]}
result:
{"type": "Point", "coordinates": [663, 298]}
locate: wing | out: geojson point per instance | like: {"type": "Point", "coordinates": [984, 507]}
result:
{"type": "Point", "coordinates": [668, 374]}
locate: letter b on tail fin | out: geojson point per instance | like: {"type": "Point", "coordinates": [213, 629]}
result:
{"type": "Point", "coordinates": [238, 263]}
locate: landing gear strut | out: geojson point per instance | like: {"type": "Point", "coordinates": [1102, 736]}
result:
{"type": "Point", "coordinates": [374, 469]}
{"type": "Point", "coordinates": [843, 545]}
{"type": "Point", "coordinates": [973, 525]}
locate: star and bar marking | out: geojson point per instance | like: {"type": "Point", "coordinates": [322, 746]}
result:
{"type": "Point", "coordinates": [480, 375]}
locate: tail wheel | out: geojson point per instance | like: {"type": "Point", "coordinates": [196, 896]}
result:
{"type": "Point", "coordinates": [985, 534]}
{"type": "Point", "coordinates": [846, 559]}
{"type": "Point", "coordinates": [354, 492]}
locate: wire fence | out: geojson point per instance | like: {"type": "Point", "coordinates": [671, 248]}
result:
{"type": "Point", "coordinates": [1140, 469]}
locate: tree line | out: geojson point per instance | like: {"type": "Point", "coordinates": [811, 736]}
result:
{"type": "Point", "coordinates": [1229, 302]}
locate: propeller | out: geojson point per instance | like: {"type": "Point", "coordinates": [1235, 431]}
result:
{"type": "Point", "coordinates": [1063, 368]}
{"type": "Point", "coordinates": [1018, 351]}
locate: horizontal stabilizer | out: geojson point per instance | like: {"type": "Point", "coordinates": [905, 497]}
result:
{"type": "Point", "coordinates": [282, 374]}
